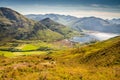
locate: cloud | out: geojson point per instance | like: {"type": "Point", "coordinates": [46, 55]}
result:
{"type": "Point", "coordinates": [95, 5]}
{"type": "Point", "coordinates": [101, 14]}
{"type": "Point", "coordinates": [81, 13]}
{"type": "Point", "coordinates": [97, 10]}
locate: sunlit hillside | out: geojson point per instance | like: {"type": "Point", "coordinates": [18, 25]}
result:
{"type": "Point", "coordinates": [99, 61]}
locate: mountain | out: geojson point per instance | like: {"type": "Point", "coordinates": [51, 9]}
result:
{"type": "Point", "coordinates": [63, 19]}
{"type": "Point", "coordinates": [115, 21]}
{"type": "Point", "coordinates": [95, 24]}
{"type": "Point", "coordinates": [13, 25]}
{"type": "Point", "coordinates": [81, 24]}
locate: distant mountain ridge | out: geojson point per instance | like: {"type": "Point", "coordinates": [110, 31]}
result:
{"type": "Point", "coordinates": [96, 24]}
{"type": "Point", "coordinates": [85, 23]}
{"type": "Point", "coordinates": [115, 21]}
{"type": "Point", "coordinates": [63, 19]}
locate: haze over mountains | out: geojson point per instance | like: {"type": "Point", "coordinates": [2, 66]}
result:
{"type": "Point", "coordinates": [85, 23]}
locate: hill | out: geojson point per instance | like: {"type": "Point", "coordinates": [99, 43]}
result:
{"type": "Point", "coordinates": [105, 53]}
{"type": "Point", "coordinates": [99, 61]}
{"type": "Point", "coordinates": [59, 28]}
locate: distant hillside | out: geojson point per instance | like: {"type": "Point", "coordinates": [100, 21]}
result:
{"type": "Point", "coordinates": [115, 21]}
{"type": "Point", "coordinates": [96, 24]}
{"type": "Point", "coordinates": [59, 28]}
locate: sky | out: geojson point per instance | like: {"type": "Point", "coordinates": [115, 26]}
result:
{"type": "Point", "coordinates": [106, 9]}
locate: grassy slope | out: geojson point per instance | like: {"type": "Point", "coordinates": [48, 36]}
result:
{"type": "Point", "coordinates": [100, 61]}
{"type": "Point", "coordinates": [48, 35]}
{"type": "Point", "coordinates": [106, 53]}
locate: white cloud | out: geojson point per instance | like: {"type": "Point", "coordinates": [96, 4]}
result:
{"type": "Point", "coordinates": [104, 15]}
{"type": "Point", "coordinates": [95, 5]}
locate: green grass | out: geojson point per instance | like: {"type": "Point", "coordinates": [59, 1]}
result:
{"type": "Point", "coordinates": [48, 35]}
{"type": "Point", "coordinates": [6, 54]}
{"type": "Point", "coordinates": [22, 47]}
{"type": "Point", "coordinates": [29, 47]}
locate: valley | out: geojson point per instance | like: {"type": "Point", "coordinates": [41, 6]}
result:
{"type": "Point", "coordinates": [42, 48]}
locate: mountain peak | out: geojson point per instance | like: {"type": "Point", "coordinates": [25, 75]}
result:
{"type": "Point", "coordinates": [11, 15]}
{"type": "Point", "coordinates": [47, 19]}
{"type": "Point", "coordinates": [6, 10]}
{"type": "Point", "coordinates": [1, 8]}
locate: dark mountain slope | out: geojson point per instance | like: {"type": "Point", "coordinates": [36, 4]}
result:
{"type": "Point", "coordinates": [15, 25]}
{"type": "Point", "coordinates": [13, 15]}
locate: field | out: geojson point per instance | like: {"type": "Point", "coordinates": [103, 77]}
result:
{"type": "Point", "coordinates": [17, 48]}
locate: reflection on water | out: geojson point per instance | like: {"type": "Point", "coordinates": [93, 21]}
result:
{"type": "Point", "coordinates": [92, 36]}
